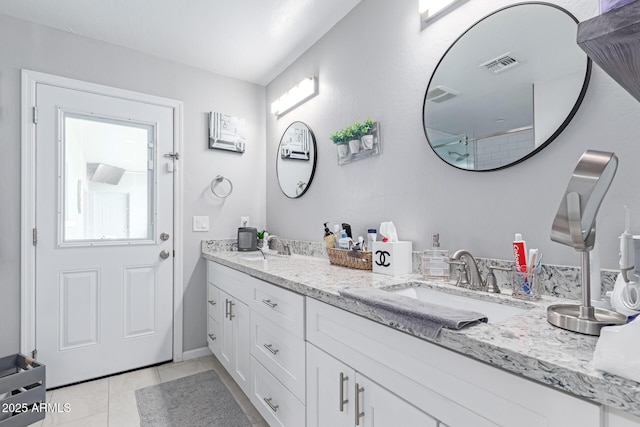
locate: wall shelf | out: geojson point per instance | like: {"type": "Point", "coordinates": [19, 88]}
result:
{"type": "Point", "coordinates": [612, 40]}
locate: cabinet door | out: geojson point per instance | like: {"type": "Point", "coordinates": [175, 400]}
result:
{"type": "Point", "coordinates": [330, 386]}
{"type": "Point", "coordinates": [226, 333]}
{"type": "Point", "coordinates": [241, 330]}
{"type": "Point", "coordinates": [377, 406]}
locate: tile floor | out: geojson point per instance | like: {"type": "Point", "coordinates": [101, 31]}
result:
{"type": "Point", "coordinates": [111, 402]}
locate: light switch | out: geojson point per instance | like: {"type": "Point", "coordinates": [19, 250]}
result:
{"type": "Point", "coordinates": [200, 223]}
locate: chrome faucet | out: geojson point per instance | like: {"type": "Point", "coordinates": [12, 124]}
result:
{"type": "Point", "coordinates": [285, 248]}
{"type": "Point", "coordinates": [467, 266]}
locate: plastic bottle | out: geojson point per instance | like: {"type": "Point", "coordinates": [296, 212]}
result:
{"type": "Point", "coordinates": [372, 234]}
{"type": "Point", "coordinates": [343, 242]}
{"type": "Point", "coordinates": [329, 237]}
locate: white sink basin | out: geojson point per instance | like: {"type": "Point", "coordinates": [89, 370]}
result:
{"type": "Point", "coordinates": [494, 311]}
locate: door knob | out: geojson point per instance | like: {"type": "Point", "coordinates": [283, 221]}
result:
{"type": "Point", "coordinates": [164, 254]}
{"type": "Point", "coordinates": [164, 236]}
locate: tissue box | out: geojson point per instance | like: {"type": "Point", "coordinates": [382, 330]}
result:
{"type": "Point", "coordinates": [392, 258]}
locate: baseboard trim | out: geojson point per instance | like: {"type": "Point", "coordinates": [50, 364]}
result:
{"type": "Point", "coordinates": [196, 353]}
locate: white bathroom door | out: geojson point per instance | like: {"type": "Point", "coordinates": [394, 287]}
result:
{"type": "Point", "coordinates": [104, 221]}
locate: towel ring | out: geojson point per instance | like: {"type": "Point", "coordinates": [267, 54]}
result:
{"type": "Point", "coordinates": [217, 180]}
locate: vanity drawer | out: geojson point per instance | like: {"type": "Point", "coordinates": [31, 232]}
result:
{"type": "Point", "coordinates": [213, 334]}
{"type": "Point", "coordinates": [274, 402]}
{"type": "Point", "coordinates": [213, 301]}
{"type": "Point", "coordinates": [235, 283]}
{"type": "Point", "coordinates": [281, 352]}
{"type": "Point", "coordinates": [283, 307]}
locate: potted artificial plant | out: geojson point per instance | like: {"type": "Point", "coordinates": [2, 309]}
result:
{"type": "Point", "coordinates": [261, 235]}
{"type": "Point", "coordinates": [352, 132]}
{"type": "Point", "coordinates": [340, 139]}
{"type": "Point", "coordinates": [365, 130]}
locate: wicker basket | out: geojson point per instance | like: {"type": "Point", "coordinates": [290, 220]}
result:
{"type": "Point", "coordinates": [345, 258]}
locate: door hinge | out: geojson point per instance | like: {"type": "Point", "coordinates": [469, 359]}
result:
{"type": "Point", "coordinates": [34, 353]}
{"type": "Point", "coordinates": [174, 253]}
{"type": "Point", "coordinates": [35, 236]}
{"type": "Point", "coordinates": [35, 115]}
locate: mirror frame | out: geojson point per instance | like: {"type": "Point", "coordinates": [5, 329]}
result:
{"type": "Point", "coordinates": [563, 125]}
{"type": "Point", "coordinates": [315, 159]}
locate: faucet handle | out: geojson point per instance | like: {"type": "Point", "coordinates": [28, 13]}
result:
{"type": "Point", "coordinates": [491, 284]}
{"type": "Point", "coordinates": [463, 277]}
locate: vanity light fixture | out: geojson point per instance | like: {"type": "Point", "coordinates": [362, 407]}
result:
{"type": "Point", "coordinates": [303, 91]}
{"type": "Point", "coordinates": [430, 10]}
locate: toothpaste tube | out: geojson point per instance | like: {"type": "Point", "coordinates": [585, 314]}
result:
{"type": "Point", "coordinates": [520, 254]}
{"type": "Point", "coordinates": [520, 258]}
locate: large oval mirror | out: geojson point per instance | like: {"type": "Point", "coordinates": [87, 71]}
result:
{"type": "Point", "coordinates": [506, 87]}
{"type": "Point", "coordinates": [296, 161]}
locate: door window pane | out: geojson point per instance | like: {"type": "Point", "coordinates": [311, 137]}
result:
{"type": "Point", "coordinates": [107, 180]}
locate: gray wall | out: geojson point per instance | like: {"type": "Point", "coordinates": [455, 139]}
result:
{"type": "Point", "coordinates": [35, 47]}
{"type": "Point", "coordinates": [376, 62]}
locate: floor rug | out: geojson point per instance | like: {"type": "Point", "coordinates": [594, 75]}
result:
{"type": "Point", "coordinates": [197, 400]}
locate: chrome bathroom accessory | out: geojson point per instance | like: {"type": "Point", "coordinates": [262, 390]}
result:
{"type": "Point", "coordinates": [217, 181]}
{"type": "Point", "coordinates": [575, 226]}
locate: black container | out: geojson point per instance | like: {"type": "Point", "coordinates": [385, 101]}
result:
{"type": "Point", "coordinates": [247, 239]}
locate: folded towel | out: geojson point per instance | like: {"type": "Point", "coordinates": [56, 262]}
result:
{"type": "Point", "coordinates": [419, 316]}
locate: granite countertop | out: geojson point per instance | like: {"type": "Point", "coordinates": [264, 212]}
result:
{"type": "Point", "coordinates": [525, 344]}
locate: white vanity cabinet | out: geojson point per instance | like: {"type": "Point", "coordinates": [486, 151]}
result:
{"type": "Point", "coordinates": [339, 396]}
{"type": "Point", "coordinates": [278, 354]}
{"type": "Point", "coordinates": [449, 387]}
{"type": "Point", "coordinates": [229, 322]}
{"type": "Point", "coordinates": [257, 331]}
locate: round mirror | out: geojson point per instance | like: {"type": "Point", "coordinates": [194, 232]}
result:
{"type": "Point", "coordinates": [506, 87]}
{"type": "Point", "coordinates": [296, 161]}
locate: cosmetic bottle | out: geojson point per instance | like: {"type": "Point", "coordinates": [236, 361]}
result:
{"type": "Point", "coordinates": [434, 261]}
{"type": "Point", "coordinates": [329, 237]}
{"type": "Point", "coordinates": [337, 234]}
{"type": "Point", "coordinates": [343, 242]}
{"type": "Point", "coordinates": [371, 237]}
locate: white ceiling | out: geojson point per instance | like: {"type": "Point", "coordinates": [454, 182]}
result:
{"type": "Point", "coordinates": [252, 40]}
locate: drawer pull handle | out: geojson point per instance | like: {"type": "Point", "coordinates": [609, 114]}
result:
{"type": "Point", "coordinates": [269, 303]}
{"type": "Point", "coordinates": [271, 349]}
{"type": "Point", "coordinates": [228, 309]}
{"type": "Point", "coordinates": [231, 315]}
{"type": "Point", "coordinates": [343, 379]}
{"type": "Point", "coordinates": [273, 407]}
{"type": "Point", "coordinates": [213, 337]}
{"type": "Point", "coordinates": [358, 414]}
{"type": "Point", "coordinates": [212, 302]}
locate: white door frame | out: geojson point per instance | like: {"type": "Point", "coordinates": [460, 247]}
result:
{"type": "Point", "coordinates": [28, 199]}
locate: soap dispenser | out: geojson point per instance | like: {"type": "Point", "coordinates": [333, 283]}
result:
{"type": "Point", "coordinates": [434, 261]}
{"type": "Point", "coordinates": [329, 237]}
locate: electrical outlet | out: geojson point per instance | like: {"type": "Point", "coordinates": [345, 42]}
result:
{"type": "Point", "coordinates": [244, 221]}
{"type": "Point", "coordinates": [200, 223]}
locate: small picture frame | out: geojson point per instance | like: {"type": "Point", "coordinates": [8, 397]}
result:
{"type": "Point", "coordinates": [226, 132]}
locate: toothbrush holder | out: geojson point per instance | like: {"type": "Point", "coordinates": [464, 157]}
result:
{"type": "Point", "coordinates": [526, 285]}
